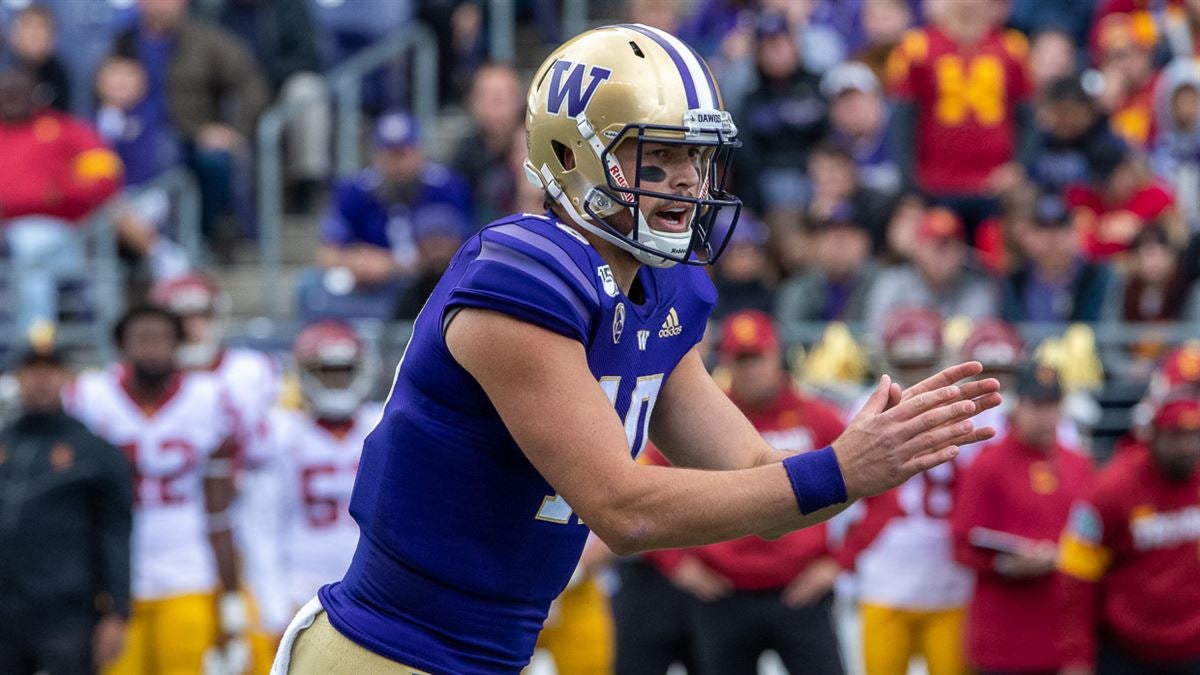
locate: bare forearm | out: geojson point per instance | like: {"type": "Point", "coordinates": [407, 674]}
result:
{"type": "Point", "coordinates": [669, 507]}
{"type": "Point", "coordinates": [218, 501]}
{"type": "Point", "coordinates": [224, 552]}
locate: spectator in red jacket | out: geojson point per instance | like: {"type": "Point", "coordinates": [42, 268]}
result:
{"type": "Point", "coordinates": [1120, 198]}
{"type": "Point", "coordinates": [55, 171]}
{"type": "Point", "coordinates": [1129, 555]}
{"type": "Point", "coordinates": [757, 594]}
{"type": "Point", "coordinates": [1012, 504]}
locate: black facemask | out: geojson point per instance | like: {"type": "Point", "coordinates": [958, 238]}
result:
{"type": "Point", "coordinates": [152, 375]}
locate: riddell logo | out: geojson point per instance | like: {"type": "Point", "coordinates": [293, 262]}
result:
{"type": "Point", "coordinates": [670, 326]}
{"type": "Point", "coordinates": [618, 176]}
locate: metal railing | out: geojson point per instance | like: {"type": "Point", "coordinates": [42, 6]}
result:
{"type": "Point", "coordinates": [502, 26]}
{"type": "Point", "coordinates": [102, 277]}
{"type": "Point", "coordinates": [180, 185]}
{"type": "Point", "coordinates": [346, 82]}
{"type": "Point", "coordinates": [344, 86]}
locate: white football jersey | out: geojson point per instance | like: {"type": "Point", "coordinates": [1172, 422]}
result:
{"type": "Point", "coordinates": [910, 564]}
{"type": "Point", "coordinates": [312, 472]}
{"type": "Point", "coordinates": [251, 381]}
{"type": "Point", "coordinates": [169, 448]}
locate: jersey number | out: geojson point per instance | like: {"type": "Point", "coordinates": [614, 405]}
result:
{"type": "Point", "coordinates": [320, 509]}
{"type": "Point", "coordinates": [158, 470]}
{"type": "Point", "coordinates": [937, 499]}
{"type": "Point", "coordinates": [637, 423]}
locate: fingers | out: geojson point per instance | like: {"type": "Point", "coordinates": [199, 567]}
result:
{"type": "Point", "coordinates": [974, 436]}
{"type": "Point", "coordinates": [935, 437]}
{"type": "Point", "coordinates": [929, 460]}
{"type": "Point", "coordinates": [922, 404]}
{"type": "Point", "coordinates": [945, 378]}
{"type": "Point", "coordinates": [895, 395]}
{"type": "Point", "coordinates": [879, 400]}
{"type": "Point", "coordinates": [977, 388]}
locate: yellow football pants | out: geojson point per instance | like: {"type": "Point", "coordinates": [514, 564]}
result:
{"type": "Point", "coordinates": [168, 636]}
{"type": "Point", "coordinates": [892, 637]}
{"type": "Point", "coordinates": [579, 632]}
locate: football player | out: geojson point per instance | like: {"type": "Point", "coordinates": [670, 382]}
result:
{"type": "Point", "coordinates": [250, 382]}
{"type": "Point", "coordinates": [250, 378]}
{"type": "Point", "coordinates": [553, 348]}
{"type": "Point", "coordinates": [313, 456]}
{"type": "Point", "coordinates": [911, 592]}
{"type": "Point", "coordinates": [174, 429]}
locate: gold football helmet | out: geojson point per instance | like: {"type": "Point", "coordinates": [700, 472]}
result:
{"type": "Point", "coordinates": [629, 83]}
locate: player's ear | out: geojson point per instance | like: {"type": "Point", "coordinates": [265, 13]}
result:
{"type": "Point", "coordinates": [566, 156]}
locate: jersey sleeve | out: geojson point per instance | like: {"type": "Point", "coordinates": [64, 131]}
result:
{"type": "Point", "coordinates": [903, 59]}
{"type": "Point", "coordinates": [532, 277]}
{"type": "Point", "coordinates": [1084, 556]}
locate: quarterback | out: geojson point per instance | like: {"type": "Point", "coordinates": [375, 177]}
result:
{"type": "Point", "coordinates": [553, 348]}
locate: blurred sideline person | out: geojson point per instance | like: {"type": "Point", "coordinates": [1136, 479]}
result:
{"type": "Point", "coordinates": [1011, 506]}
{"type": "Point", "coordinates": [298, 505]}
{"type": "Point", "coordinates": [65, 520]}
{"type": "Point", "coordinates": [173, 428]}
{"type": "Point", "coordinates": [1129, 555]}
{"type": "Point", "coordinates": [552, 350]}
{"type": "Point", "coordinates": [754, 594]}
{"type": "Point", "coordinates": [912, 593]}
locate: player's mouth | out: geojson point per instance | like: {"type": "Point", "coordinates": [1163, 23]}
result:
{"type": "Point", "coordinates": [671, 219]}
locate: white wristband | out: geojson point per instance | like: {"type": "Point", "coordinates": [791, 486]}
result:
{"type": "Point", "coordinates": [231, 610]}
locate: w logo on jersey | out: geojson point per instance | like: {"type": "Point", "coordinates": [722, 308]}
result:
{"type": "Point", "coordinates": [567, 87]}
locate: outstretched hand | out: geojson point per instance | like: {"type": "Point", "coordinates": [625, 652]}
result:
{"type": "Point", "coordinates": [902, 432]}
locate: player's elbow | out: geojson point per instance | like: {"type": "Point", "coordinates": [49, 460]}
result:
{"type": "Point", "coordinates": [625, 534]}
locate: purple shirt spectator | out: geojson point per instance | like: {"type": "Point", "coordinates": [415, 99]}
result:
{"type": "Point", "coordinates": [375, 206]}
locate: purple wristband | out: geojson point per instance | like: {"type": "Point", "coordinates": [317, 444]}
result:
{"type": "Point", "coordinates": [816, 479]}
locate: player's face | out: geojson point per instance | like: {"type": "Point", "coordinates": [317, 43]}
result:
{"type": "Point", "coordinates": [1177, 452]}
{"type": "Point", "coordinates": [149, 347]}
{"type": "Point", "coordinates": [196, 327]}
{"type": "Point", "coordinates": [670, 169]}
{"type": "Point", "coordinates": [334, 377]}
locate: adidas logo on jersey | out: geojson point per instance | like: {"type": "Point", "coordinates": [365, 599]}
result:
{"type": "Point", "coordinates": [670, 326]}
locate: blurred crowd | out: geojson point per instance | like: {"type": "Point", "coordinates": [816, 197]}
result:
{"type": "Point", "coordinates": [1011, 181]}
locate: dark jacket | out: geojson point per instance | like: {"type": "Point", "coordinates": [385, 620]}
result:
{"type": "Point", "coordinates": [66, 500]}
{"type": "Point", "coordinates": [281, 34]}
{"type": "Point", "coordinates": [210, 72]}
{"type": "Point", "coordinates": [1087, 295]}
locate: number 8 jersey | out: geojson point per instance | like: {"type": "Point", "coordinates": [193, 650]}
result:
{"type": "Point", "coordinates": [463, 544]}
{"type": "Point", "coordinates": [168, 448]}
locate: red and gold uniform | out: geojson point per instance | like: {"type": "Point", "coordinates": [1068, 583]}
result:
{"type": "Point", "coordinates": [1131, 558]}
{"type": "Point", "coordinates": [1024, 491]}
{"type": "Point", "coordinates": [965, 97]}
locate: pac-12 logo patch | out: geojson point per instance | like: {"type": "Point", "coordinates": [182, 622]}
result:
{"type": "Point", "coordinates": [606, 278]}
{"type": "Point", "coordinates": [618, 322]}
{"type": "Point", "coordinates": [567, 86]}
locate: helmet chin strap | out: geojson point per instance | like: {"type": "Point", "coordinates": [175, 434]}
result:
{"type": "Point", "coordinates": [675, 243]}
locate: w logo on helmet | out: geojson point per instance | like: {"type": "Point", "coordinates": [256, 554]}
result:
{"type": "Point", "coordinates": [568, 87]}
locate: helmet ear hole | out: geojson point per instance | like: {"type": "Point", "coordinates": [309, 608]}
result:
{"type": "Point", "coordinates": [565, 155]}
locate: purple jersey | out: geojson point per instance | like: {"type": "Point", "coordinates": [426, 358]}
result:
{"type": "Point", "coordinates": [464, 545]}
